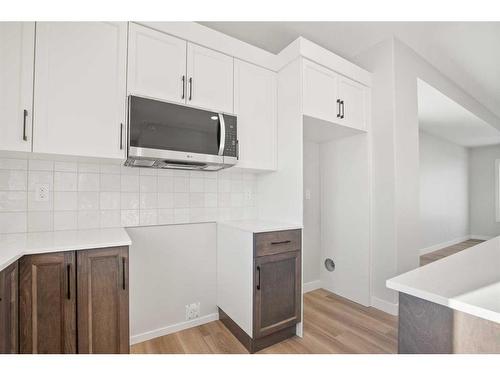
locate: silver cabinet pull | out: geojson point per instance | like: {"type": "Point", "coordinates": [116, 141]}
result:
{"type": "Point", "coordinates": [190, 88]}
{"type": "Point", "coordinates": [25, 116]}
{"type": "Point", "coordinates": [343, 109]}
{"type": "Point", "coordinates": [338, 108]}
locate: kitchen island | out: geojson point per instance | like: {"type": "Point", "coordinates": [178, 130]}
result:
{"type": "Point", "coordinates": [452, 305]}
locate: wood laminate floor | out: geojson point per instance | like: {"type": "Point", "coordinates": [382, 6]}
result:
{"type": "Point", "coordinates": [332, 324]}
{"type": "Point", "coordinates": [447, 251]}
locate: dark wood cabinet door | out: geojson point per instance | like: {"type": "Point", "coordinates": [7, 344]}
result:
{"type": "Point", "coordinates": [103, 307]}
{"type": "Point", "coordinates": [276, 292]}
{"type": "Point", "coordinates": [47, 303]}
{"type": "Point", "coordinates": [9, 303]}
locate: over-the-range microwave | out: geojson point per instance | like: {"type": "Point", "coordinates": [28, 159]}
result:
{"type": "Point", "coordinates": [168, 135]}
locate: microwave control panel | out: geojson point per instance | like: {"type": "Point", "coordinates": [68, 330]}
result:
{"type": "Point", "coordinates": [231, 145]}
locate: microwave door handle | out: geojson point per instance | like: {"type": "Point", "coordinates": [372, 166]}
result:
{"type": "Point", "coordinates": [222, 142]}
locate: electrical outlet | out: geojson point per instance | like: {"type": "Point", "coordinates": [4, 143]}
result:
{"type": "Point", "coordinates": [308, 194]}
{"type": "Point", "coordinates": [41, 193]}
{"type": "Point", "coordinates": [193, 311]}
{"type": "Point", "coordinates": [248, 195]}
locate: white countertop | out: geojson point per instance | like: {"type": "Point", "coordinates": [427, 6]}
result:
{"type": "Point", "coordinates": [468, 281]}
{"type": "Point", "coordinates": [259, 226]}
{"type": "Point", "coordinates": [14, 246]}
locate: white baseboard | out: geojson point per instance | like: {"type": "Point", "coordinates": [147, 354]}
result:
{"type": "Point", "coordinates": [173, 328]}
{"type": "Point", "coordinates": [439, 246]}
{"type": "Point", "coordinates": [388, 307]}
{"type": "Point", "coordinates": [311, 285]}
{"type": "Point", "coordinates": [480, 237]}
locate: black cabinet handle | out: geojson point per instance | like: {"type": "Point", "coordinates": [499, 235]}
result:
{"type": "Point", "coordinates": [124, 266]}
{"type": "Point", "coordinates": [258, 282]}
{"type": "Point", "coordinates": [25, 115]}
{"type": "Point", "coordinates": [121, 135]}
{"type": "Point", "coordinates": [343, 109]}
{"type": "Point", "coordinates": [280, 242]}
{"type": "Point", "coordinates": [338, 108]}
{"type": "Point", "coordinates": [68, 280]}
{"type": "Point", "coordinates": [183, 87]}
{"type": "Point", "coordinates": [190, 88]}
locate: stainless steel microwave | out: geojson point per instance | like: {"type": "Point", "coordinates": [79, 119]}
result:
{"type": "Point", "coordinates": [167, 135]}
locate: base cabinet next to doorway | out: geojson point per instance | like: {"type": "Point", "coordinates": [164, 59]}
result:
{"type": "Point", "coordinates": [259, 284]}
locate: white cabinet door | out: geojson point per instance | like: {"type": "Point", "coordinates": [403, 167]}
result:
{"type": "Point", "coordinates": [353, 103]}
{"type": "Point", "coordinates": [17, 50]}
{"type": "Point", "coordinates": [255, 105]}
{"type": "Point", "coordinates": [80, 88]}
{"type": "Point", "coordinates": [210, 79]}
{"type": "Point", "coordinates": [319, 92]}
{"type": "Point", "coordinates": [156, 64]}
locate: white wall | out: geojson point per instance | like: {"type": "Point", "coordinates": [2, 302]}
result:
{"type": "Point", "coordinates": [482, 191]}
{"type": "Point", "coordinates": [395, 68]}
{"type": "Point", "coordinates": [312, 213]}
{"type": "Point", "coordinates": [444, 195]}
{"type": "Point", "coordinates": [170, 266]}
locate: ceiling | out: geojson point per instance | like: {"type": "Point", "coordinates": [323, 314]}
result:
{"type": "Point", "coordinates": [467, 52]}
{"type": "Point", "coordinates": [442, 117]}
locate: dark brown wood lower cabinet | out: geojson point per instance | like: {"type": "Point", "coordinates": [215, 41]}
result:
{"type": "Point", "coordinates": [9, 304]}
{"type": "Point", "coordinates": [276, 293]}
{"type": "Point", "coordinates": [47, 303]}
{"type": "Point", "coordinates": [69, 302]}
{"type": "Point", "coordinates": [103, 312]}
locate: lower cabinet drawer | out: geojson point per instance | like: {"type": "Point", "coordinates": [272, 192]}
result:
{"type": "Point", "coordinates": [270, 243]}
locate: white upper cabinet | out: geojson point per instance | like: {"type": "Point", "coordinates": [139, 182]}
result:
{"type": "Point", "coordinates": [17, 49]}
{"type": "Point", "coordinates": [353, 103]}
{"type": "Point", "coordinates": [156, 64]}
{"type": "Point", "coordinates": [255, 105]}
{"type": "Point", "coordinates": [80, 88]}
{"type": "Point", "coordinates": [332, 97]}
{"type": "Point", "coordinates": [210, 79]}
{"type": "Point", "coordinates": [319, 91]}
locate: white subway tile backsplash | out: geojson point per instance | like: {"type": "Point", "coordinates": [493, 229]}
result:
{"type": "Point", "coordinates": [40, 221]}
{"type": "Point", "coordinates": [148, 200]}
{"type": "Point", "coordinates": [165, 200]}
{"type": "Point", "coordinates": [148, 217]}
{"type": "Point", "coordinates": [110, 218]}
{"type": "Point", "coordinates": [181, 200]}
{"type": "Point", "coordinates": [13, 180]}
{"type": "Point", "coordinates": [88, 182]}
{"type": "Point", "coordinates": [196, 185]}
{"type": "Point", "coordinates": [130, 183]}
{"type": "Point", "coordinates": [34, 205]}
{"type": "Point", "coordinates": [65, 200]}
{"type": "Point", "coordinates": [129, 218]}
{"type": "Point", "coordinates": [129, 201]}
{"type": "Point", "coordinates": [110, 182]}
{"type": "Point", "coordinates": [165, 184]}
{"type": "Point", "coordinates": [65, 181]}
{"type": "Point", "coordinates": [88, 200]}
{"type": "Point", "coordinates": [13, 201]}
{"type": "Point", "coordinates": [40, 178]}
{"type": "Point", "coordinates": [13, 222]}
{"type": "Point", "coordinates": [109, 200]}
{"type": "Point", "coordinates": [181, 184]}
{"type": "Point", "coordinates": [89, 219]}
{"type": "Point", "coordinates": [92, 195]}
{"type": "Point", "coordinates": [196, 200]}
{"type": "Point", "coordinates": [65, 220]}
{"type": "Point", "coordinates": [148, 184]}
